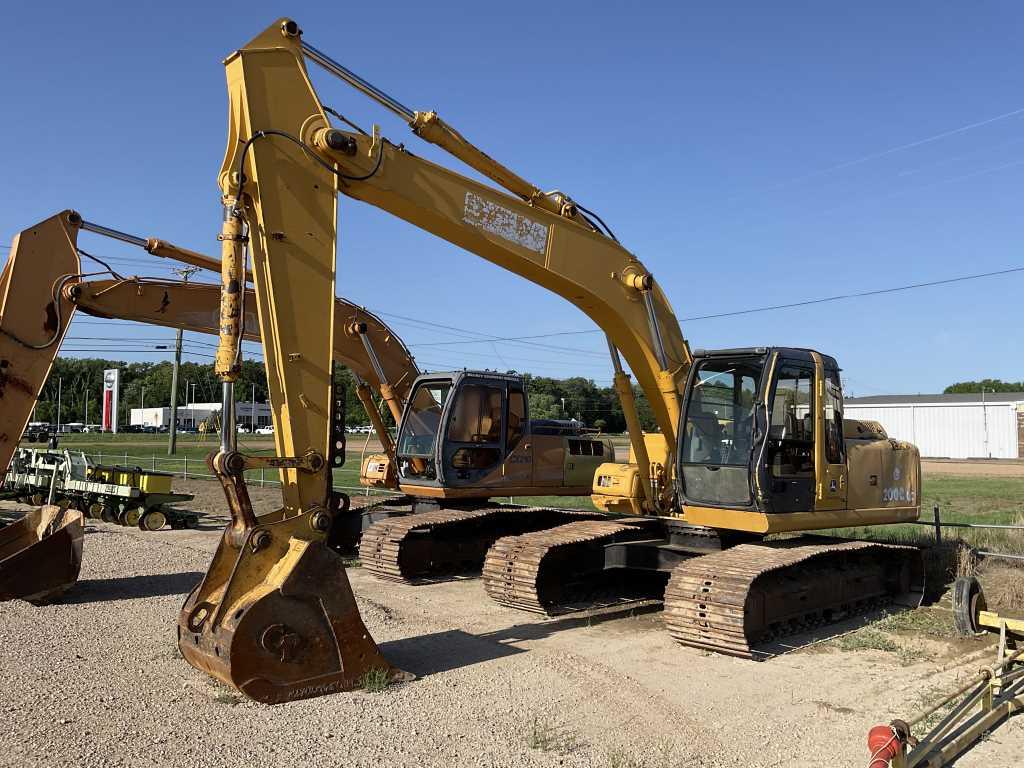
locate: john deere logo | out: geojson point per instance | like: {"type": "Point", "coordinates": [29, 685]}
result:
{"type": "Point", "coordinates": [896, 474]}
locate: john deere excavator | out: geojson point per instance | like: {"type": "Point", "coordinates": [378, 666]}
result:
{"type": "Point", "coordinates": [751, 441]}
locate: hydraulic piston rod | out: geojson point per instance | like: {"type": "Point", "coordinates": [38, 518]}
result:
{"type": "Point", "coordinates": [157, 247]}
{"type": "Point", "coordinates": [322, 59]}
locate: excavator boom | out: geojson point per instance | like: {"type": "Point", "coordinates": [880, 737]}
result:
{"type": "Point", "coordinates": [40, 555]}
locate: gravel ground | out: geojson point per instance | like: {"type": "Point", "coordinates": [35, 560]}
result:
{"type": "Point", "coordinates": [97, 681]}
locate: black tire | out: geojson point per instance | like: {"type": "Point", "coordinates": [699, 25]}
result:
{"type": "Point", "coordinates": [968, 600]}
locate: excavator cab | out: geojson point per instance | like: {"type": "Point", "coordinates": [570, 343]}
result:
{"type": "Point", "coordinates": [764, 448]}
{"type": "Point", "coordinates": [461, 429]}
{"type": "Point", "coordinates": [468, 432]}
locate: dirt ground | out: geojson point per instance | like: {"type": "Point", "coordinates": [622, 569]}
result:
{"type": "Point", "coordinates": [990, 468]}
{"type": "Point", "coordinates": [96, 680]}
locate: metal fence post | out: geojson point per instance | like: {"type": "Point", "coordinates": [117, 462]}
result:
{"type": "Point", "coordinates": [261, 477]}
{"type": "Point", "coordinates": [126, 458]}
{"type": "Point", "coordinates": [154, 462]}
{"type": "Point", "coordinates": [100, 459]}
{"type": "Point", "coordinates": [938, 525]}
{"type": "Point", "coordinates": [186, 467]}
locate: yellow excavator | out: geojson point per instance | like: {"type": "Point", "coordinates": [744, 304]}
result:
{"type": "Point", "coordinates": [49, 292]}
{"type": "Point", "coordinates": [750, 442]}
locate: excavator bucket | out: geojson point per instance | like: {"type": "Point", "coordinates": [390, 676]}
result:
{"type": "Point", "coordinates": [275, 617]}
{"type": "Point", "coordinates": [41, 555]}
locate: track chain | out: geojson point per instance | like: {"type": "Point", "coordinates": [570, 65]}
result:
{"type": "Point", "coordinates": [513, 568]}
{"type": "Point", "coordinates": [385, 547]}
{"type": "Point", "coordinates": [731, 600]}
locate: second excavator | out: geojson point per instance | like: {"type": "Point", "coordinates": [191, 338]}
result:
{"type": "Point", "coordinates": [371, 350]}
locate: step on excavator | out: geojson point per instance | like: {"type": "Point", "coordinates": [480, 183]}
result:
{"type": "Point", "coordinates": [749, 442]}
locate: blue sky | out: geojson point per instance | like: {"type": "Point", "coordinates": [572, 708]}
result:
{"type": "Point", "coordinates": [750, 154]}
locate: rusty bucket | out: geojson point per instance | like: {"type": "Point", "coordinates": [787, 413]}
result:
{"type": "Point", "coordinates": [275, 618]}
{"type": "Point", "coordinates": [41, 555]}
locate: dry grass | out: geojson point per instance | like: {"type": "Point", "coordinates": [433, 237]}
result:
{"type": "Point", "coordinates": [1003, 586]}
{"type": "Point", "coordinates": [546, 734]}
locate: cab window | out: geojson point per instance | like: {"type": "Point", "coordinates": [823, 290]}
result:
{"type": "Point", "coordinates": [476, 416]}
{"type": "Point", "coordinates": [791, 433]}
{"type": "Point", "coordinates": [516, 419]}
{"type": "Point", "coordinates": [833, 419]}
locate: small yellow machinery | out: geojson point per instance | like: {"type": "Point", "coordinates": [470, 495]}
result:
{"type": "Point", "coordinates": [117, 494]}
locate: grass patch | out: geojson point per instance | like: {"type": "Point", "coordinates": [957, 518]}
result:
{"type": "Point", "coordinates": [227, 698]}
{"type": "Point", "coordinates": [563, 502]}
{"type": "Point", "coordinates": [662, 755]}
{"type": "Point", "coordinates": [869, 638]}
{"type": "Point", "coordinates": [546, 735]}
{"type": "Point", "coordinates": [375, 680]}
{"type": "Point", "coordinates": [923, 621]}
{"type": "Point", "coordinates": [875, 638]}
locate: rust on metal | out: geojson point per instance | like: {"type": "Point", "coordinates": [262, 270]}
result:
{"type": "Point", "coordinates": [732, 600]}
{"type": "Point", "coordinates": [531, 572]}
{"type": "Point", "coordinates": [425, 545]}
{"type": "Point", "coordinates": [41, 555]}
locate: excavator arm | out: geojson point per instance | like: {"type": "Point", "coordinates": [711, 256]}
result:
{"type": "Point", "coordinates": [281, 147]}
{"type": "Point", "coordinates": [362, 341]}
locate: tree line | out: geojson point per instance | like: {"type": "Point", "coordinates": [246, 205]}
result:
{"type": "Point", "coordinates": [989, 385]}
{"type": "Point", "coordinates": [78, 382]}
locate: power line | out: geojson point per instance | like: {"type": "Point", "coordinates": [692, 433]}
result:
{"type": "Point", "coordinates": [752, 310]}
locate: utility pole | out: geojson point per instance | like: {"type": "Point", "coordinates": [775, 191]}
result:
{"type": "Point", "coordinates": [252, 412]}
{"type": "Point", "coordinates": [60, 382]}
{"type": "Point", "coordinates": [172, 434]}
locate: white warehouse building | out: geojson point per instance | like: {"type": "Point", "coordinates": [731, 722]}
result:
{"type": "Point", "coordinates": [960, 426]}
{"type": "Point", "coordinates": [193, 414]}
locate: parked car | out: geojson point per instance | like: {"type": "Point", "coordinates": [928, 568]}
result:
{"type": "Point", "coordinates": [267, 430]}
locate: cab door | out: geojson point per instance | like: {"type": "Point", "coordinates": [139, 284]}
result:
{"type": "Point", "coordinates": [792, 441]}
{"type": "Point", "coordinates": [832, 473]}
{"type": "Point", "coordinates": [474, 447]}
{"type": "Point", "coordinates": [517, 468]}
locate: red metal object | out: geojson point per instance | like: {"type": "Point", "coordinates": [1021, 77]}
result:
{"type": "Point", "coordinates": [884, 743]}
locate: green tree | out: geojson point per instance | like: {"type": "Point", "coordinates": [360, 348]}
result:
{"type": "Point", "coordinates": [990, 385]}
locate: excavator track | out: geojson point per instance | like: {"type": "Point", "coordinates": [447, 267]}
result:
{"type": "Point", "coordinates": [426, 545]}
{"type": "Point", "coordinates": [730, 601]}
{"type": "Point", "coordinates": [550, 571]}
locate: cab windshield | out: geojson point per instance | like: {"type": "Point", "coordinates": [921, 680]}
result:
{"type": "Point", "coordinates": [422, 421]}
{"type": "Point", "coordinates": [717, 435]}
